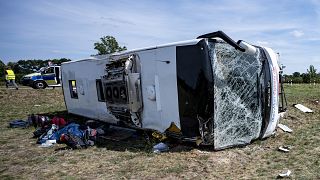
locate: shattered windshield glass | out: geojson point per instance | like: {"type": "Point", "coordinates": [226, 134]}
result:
{"type": "Point", "coordinates": [237, 106]}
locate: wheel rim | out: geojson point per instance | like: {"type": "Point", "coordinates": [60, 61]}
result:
{"type": "Point", "coordinates": [40, 85]}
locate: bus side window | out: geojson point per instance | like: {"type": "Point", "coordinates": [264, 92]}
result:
{"type": "Point", "coordinates": [73, 89]}
{"type": "Point", "coordinates": [100, 94]}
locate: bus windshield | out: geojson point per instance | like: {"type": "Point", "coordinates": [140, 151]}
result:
{"type": "Point", "coordinates": [238, 108]}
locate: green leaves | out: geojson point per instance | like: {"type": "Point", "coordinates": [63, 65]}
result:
{"type": "Point", "coordinates": [312, 72]}
{"type": "Point", "coordinates": [108, 45]}
{"type": "Point", "coordinates": [310, 77]}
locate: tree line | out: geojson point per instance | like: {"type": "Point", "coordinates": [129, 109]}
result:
{"type": "Point", "coordinates": [311, 76]}
{"type": "Point", "coordinates": [106, 45]}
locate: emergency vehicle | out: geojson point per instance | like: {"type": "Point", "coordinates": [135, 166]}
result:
{"type": "Point", "coordinates": [46, 77]}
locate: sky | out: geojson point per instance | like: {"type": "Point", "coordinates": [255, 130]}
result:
{"type": "Point", "coordinates": [44, 29]}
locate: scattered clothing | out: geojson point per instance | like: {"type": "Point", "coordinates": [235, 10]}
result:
{"type": "Point", "coordinates": [48, 143]}
{"type": "Point", "coordinates": [41, 130]}
{"type": "Point", "coordinates": [160, 147]}
{"type": "Point", "coordinates": [19, 124]}
{"type": "Point", "coordinates": [76, 136]}
{"type": "Point", "coordinates": [60, 122]}
{"type": "Point", "coordinates": [73, 141]}
{"type": "Point", "coordinates": [71, 128]}
{"type": "Point", "coordinates": [39, 121]}
{"type": "Point", "coordinates": [58, 130]}
{"type": "Point", "coordinates": [49, 135]}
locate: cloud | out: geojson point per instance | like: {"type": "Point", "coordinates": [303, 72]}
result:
{"type": "Point", "coordinates": [56, 51]}
{"type": "Point", "coordinates": [297, 33]}
{"type": "Point", "coordinates": [50, 29]}
{"type": "Point", "coordinates": [263, 43]}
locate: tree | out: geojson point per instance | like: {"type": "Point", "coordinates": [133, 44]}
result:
{"type": "Point", "coordinates": [30, 66]}
{"type": "Point", "coordinates": [305, 77]}
{"type": "Point", "coordinates": [312, 72]}
{"type": "Point", "coordinates": [108, 45]}
{"type": "Point", "coordinates": [2, 68]}
{"type": "Point", "coordinates": [296, 74]}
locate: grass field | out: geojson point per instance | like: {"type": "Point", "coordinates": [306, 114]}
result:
{"type": "Point", "coordinates": [21, 158]}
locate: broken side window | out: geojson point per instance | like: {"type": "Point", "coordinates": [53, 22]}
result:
{"type": "Point", "coordinates": [73, 89]}
{"type": "Point", "coordinates": [100, 94]}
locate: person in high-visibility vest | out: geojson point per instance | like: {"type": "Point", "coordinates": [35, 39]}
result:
{"type": "Point", "coordinates": [10, 78]}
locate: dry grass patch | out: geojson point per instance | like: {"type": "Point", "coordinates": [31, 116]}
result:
{"type": "Point", "coordinates": [21, 158]}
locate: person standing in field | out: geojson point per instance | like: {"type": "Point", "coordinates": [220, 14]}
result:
{"type": "Point", "coordinates": [10, 77]}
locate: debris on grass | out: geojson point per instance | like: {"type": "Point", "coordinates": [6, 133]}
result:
{"type": "Point", "coordinates": [282, 114]}
{"type": "Point", "coordinates": [160, 147]}
{"type": "Point", "coordinates": [284, 148]}
{"type": "Point", "coordinates": [202, 152]}
{"type": "Point", "coordinates": [315, 101]}
{"type": "Point", "coordinates": [37, 105]}
{"type": "Point", "coordinates": [303, 108]}
{"type": "Point", "coordinates": [285, 174]}
{"type": "Point", "coordinates": [19, 124]}
{"type": "Point", "coordinates": [284, 128]}
{"type": "Point", "coordinates": [48, 143]}
{"type": "Point", "coordinates": [198, 141]}
{"type": "Point", "coordinates": [56, 130]}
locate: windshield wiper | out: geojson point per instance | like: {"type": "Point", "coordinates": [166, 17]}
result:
{"type": "Point", "coordinates": [223, 36]}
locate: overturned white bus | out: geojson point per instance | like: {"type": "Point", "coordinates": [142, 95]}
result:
{"type": "Point", "coordinates": [210, 88]}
